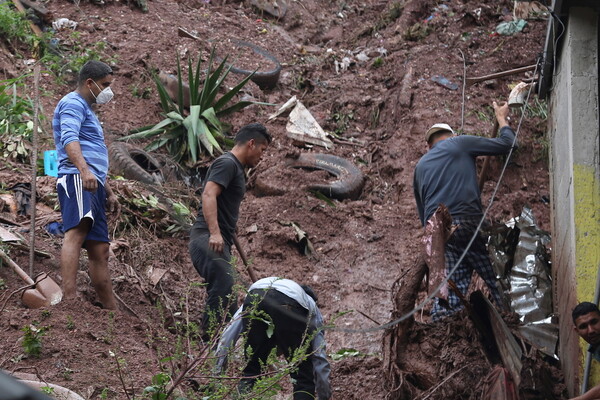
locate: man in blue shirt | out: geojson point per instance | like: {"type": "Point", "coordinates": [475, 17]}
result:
{"type": "Point", "coordinates": [447, 175]}
{"type": "Point", "coordinates": [82, 186]}
{"type": "Point", "coordinates": [293, 318]}
{"type": "Point", "coordinates": [586, 321]}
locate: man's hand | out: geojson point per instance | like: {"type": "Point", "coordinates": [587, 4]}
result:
{"type": "Point", "coordinates": [215, 243]}
{"type": "Point", "coordinates": [501, 111]}
{"type": "Point", "coordinates": [112, 204]}
{"type": "Point", "coordinates": [90, 183]}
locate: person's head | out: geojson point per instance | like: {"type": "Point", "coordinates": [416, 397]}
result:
{"type": "Point", "coordinates": [95, 77]}
{"type": "Point", "coordinates": [250, 143]}
{"type": "Point", "coordinates": [308, 290]}
{"type": "Point", "coordinates": [586, 318]}
{"type": "Point", "coordinates": [438, 132]}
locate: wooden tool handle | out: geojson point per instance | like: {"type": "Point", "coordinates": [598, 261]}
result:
{"type": "Point", "coordinates": [17, 269]}
{"type": "Point", "coordinates": [244, 259]}
{"type": "Point", "coordinates": [486, 161]}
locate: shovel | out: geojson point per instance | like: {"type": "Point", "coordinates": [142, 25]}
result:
{"type": "Point", "coordinates": [43, 292]}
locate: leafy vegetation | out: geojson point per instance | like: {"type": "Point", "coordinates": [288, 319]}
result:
{"type": "Point", "coordinates": [16, 125]}
{"type": "Point", "coordinates": [14, 27]}
{"type": "Point", "coordinates": [185, 134]}
{"type": "Point", "coordinates": [32, 339]}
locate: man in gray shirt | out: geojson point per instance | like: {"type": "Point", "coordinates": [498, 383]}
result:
{"type": "Point", "coordinates": [294, 318]}
{"type": "Point", "coordinates": [447, 175]}
{"type": "Point", "coordinates": [212, 235]}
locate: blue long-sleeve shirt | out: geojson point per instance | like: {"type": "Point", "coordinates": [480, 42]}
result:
{"type": "Point", "coordinates": [291, 289]}
{"type": "Point", "coordinates": [447, 174]}
{"type": "Point", "coordinates": [74, 120]}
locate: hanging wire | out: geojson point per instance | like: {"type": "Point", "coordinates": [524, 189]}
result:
{"type": "Point", "coordinates": [464, 87]}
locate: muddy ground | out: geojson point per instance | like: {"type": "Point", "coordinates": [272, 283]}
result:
{"type": "Point", "coordinates": [361, 246]}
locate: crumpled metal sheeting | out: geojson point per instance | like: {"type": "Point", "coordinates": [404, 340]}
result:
{"type": "Point", "coordinates": [543, 333]}
{"type": "Point", "coordinates": [530, 282]}
{"type": "Point", "coordinates": [521, 261]}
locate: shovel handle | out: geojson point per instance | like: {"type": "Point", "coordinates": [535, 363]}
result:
{"type": "Point", "coordinates": [244, 259]}
{"type": "Point", "coordinates": [486, 161]}
{"type": "Point", "coordinates": [17, 269]}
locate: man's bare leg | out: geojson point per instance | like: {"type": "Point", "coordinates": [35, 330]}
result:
{"type": "Point", "coordinates": [98, 255]}
{"type": "Point", "coordinates": [69, 257]}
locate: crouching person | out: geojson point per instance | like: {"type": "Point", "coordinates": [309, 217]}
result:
{"type": "Point", "coordinates": [296, 318]}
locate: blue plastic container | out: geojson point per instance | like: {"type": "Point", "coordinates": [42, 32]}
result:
{"type": "Point", "coordinates": [51, 163]}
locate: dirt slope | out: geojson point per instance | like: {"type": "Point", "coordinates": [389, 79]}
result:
{"type": "Point", "coordinates": [360, 246]}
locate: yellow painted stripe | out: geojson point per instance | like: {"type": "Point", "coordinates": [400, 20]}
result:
{"type": "Point", "coordinates": [586, 196]}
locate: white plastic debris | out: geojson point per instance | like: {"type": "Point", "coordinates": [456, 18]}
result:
{"type": "Point", "coordinates": [64, 23]}
{"type": "Point", "coordinates": [303, 127]}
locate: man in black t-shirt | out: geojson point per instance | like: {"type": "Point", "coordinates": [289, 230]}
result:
{"type": "Point", "coordinates": [211, 236]}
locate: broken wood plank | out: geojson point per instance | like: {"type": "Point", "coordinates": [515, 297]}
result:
{"type": "Point", "coordinates": [36, 29]}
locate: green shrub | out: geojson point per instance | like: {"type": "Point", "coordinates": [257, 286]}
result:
{"type": "Point", "coordinates": [186, 134]}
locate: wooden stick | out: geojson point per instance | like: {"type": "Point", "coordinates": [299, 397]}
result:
{"type": "Point", "coordinates": [244, 259]}
{"type": "Point", "coordinates": [33, 155]}
{"type": "Point", "coordinates": [36, 29]}
{"type": "Point", "coordinates": [486, 161]}
{"type": "Point", "coordinates": [470, 81]}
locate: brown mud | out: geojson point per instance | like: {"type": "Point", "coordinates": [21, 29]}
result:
{"type": "Point", "coordinates": [360, 246]}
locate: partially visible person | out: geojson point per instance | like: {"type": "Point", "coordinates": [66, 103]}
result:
{"type": "Point", "coordinates": [212, 235]}
{"type": "Point", "coordinates": [586, 321]}
{"type": "Point", "coordinates": [82, 185]}
{"type": "Point", "coordinates": [295, 317]}
{"type": "Point", "coordinates": [447, 174]}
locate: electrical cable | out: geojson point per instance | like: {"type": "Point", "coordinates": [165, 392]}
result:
{"type": "Point", "coordinates": [464, 86]}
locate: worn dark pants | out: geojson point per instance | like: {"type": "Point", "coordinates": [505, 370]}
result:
{"type": "Point", "coordinates": [477, 258]}
{"type": "Point", "coordinates": [219, 275]}
{"type": "Point", "coordinates": [291, 321]}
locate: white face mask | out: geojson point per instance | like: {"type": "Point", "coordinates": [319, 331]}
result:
{"type": "Point", "coordinates": [104, 96]}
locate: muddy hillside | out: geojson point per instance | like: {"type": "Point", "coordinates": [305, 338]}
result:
{"type": "Point", "coordinates": [373, 74]}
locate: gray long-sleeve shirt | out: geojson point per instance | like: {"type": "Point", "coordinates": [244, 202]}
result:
{"type": "Point", "coordinates": [291, 289]}
{"type": "Point", "coordinates": [447, 173]}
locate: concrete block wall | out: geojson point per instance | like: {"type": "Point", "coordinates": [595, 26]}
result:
{"type": "Point", "coordinates": [574, 136]}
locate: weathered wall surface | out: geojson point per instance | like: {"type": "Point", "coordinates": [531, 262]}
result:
{"type": "Point", "coordinates": [575, 181]}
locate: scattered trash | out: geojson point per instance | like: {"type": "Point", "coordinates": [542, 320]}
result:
{"type": "Point", "coordinates": [518, 95]}
{"type": "Point", "coordinates": [530, 10]}
{"type": "Point", "coordinates": [156, 274]}
{"type": "Point", "coordinates": [22, 193]}
{"type": "Point", "coordinates": [286, 106]}
{"type": "Point", "coordinates": [55, 228]}
{"type": "Point", "coordinates": [306, 247]}
{"type": "Point", "coordinates": [520, 257]}
{"type": "Point", "coordinates": [350, 179]}
{"type": "Point", "coordinates": [302, 126]}
{"type": "Point", "coordinates": [64, 23]}
{"type": "Point", "coordinates": [51, 163]}
{"type": "Point", "coordinates": [342, 65]}
{"type": "Point", "coordinates": [252, 228]}
{"type": "Point", "coordinates": [8, 236]}
{"type": "Point", "coordinates": [510, 28]}
{"type": "Point", "coordinates": [440, 80]}
{"type": "Point", "coordinates": [276, 8]}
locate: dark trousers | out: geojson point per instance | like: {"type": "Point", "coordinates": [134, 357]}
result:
{"type": "Point", "coordinates": [219, 275]}
{"type": "Point", "coordinates": [290, 322]}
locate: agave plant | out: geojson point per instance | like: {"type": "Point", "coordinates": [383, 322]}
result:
{"type": "Point", "coordinates": [186, 134]}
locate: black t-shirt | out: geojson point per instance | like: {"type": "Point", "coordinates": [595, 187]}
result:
{"type": "Point", "coordinates": [228, 172]}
